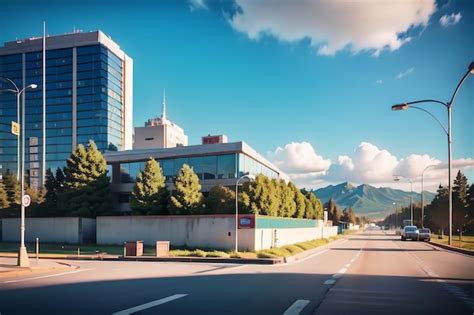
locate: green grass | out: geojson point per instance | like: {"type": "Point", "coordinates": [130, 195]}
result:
{"type": "Point", "coordinates": [467, 241]}
{"type": "Point", "coordinates": [290, 250]}
{"type": "Point", "coordinates": [284, 251]}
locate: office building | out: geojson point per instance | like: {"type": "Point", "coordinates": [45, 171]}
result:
{"type": "Point", "coordinates": [159, 132]}
{"type": "Point", "coordinates": [89, 95]}
{"type": "Point", "coordinates": [214, 164]}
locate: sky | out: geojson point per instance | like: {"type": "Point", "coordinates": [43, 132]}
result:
{"type": "Point", "coordinates": [308, 84]}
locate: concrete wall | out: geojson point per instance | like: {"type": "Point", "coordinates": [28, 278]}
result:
{"type": "Point", "coordinates": [50, 230]}
{"type": "Point", "coordinates": [204, 231]}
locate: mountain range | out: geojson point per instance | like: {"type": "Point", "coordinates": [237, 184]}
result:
{"type": "Point", "coordinates": [368, 200]}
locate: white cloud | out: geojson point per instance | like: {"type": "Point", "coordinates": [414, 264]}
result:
{"type": "Point", "coordinates": [450, 19]}
{"type": "Point", "coordinates": [379, 82]}
{"type": "Point", "coordinates": [405, 73]}
{"type": "Point", "coordinates": [197, 5]}
{"type": "Point", "coordinates": [333, 25]}
{"type": "Point", "coordinates": [299, 158]}
{"type": "Point", "coordinates": [368, 164]}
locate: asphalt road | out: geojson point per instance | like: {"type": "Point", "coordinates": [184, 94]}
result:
{"type": "Point", "coordinates": [368, 273]}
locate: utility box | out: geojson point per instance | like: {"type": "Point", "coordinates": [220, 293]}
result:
{"type": "Point", "coordinates": [162, 248]}
{"type": "Point", "coordinates": [134, 248]}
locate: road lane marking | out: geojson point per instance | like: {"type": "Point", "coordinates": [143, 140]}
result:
{"type": "Point", "coordinates": [145, 306]}
{"type": "Point", "coordinates": [330, 281]}
{"type": "Point", "coordinates": [343, 270]}
{"type": "Point", "coordinates": [48, 276]}
{"type": "Point", "coordinates": [296, 307]}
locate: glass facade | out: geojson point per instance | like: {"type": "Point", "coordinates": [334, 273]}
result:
{"type": "Point", "coordinates": [207, 167]}
{"type": "Point", "coordinates": [99, 85]}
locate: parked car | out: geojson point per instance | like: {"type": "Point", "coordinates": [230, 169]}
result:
{"type": "Point", "coordinates": [410, 232]}
{"type": "Point", "coordinates": [424, 234]}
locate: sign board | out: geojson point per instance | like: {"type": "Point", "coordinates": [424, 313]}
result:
{"type": "Point", "coordinates": [246, 221]}
{"type": "Point", "coordinates": [26, 200]}
{"type": "Point", "coordinates": [15, 128]}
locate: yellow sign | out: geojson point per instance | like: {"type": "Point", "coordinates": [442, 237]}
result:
{"type": "Point", "coordinates": [15, 128]}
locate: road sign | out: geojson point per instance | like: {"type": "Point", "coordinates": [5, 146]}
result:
{"type": "Point", "coordinates": [15, 128]}
{"type": "Point", "coordinates": [26, 200]}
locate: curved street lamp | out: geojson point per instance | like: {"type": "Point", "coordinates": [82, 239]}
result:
{"type": "Point", "coordinates": [18, 93]}
{"type": "Point", "coordinates": [22, 254]}
{"type": "Point", "coordinates": [422, 193]}
{"type": "Point", "coordinates": [397, 179]}
{"type": "Point", "coordinates": [250, 178]}
{"type": "Point", "coordinates": [448, 106]}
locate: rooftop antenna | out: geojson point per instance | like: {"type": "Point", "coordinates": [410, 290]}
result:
{"type": "Point", "coordinates": [163, 108]}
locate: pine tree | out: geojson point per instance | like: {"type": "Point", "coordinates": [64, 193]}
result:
{"type": "Point", "coordinates": [4, 203]}
{"type": "Point", "coordinates": [221, 200]}
{"type": "Point", "coordinates": [288, 205]}
{"type": "Point", "coordinates": [299, 199]}
{"type": "Point", "coordinates": [13, 189]}
{"type": "Point", "coordinates": [187, 197]}
{"type": "Point", "coordinates": [150, 194]}
{"type": "Point", "coordinates": [460, 211]}
{"type": "Point", "coordinates": [86, 185]}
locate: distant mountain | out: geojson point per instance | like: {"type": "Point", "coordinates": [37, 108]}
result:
{"type": "Point", "coordinates": [368, 200]}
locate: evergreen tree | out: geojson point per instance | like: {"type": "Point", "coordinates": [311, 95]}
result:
{"type": "Point", "coordinates": [150, 194]}
{"type": "Point", "coordinates": [460, 210]}
{"type": "Point", "coordinates": [299, 199]}
{"type": "Point", "coordinates": [86, 185]}
{"type": "Point", "coordinates": [221, 200]}
{"type": "Point", "coordinates": [288, 205]}
{"type": "Point", "coordinates": [13, 189]}
{"type": "Point", "coordinates": [309, 209]}
{"type": "Point", "coordinates": [187, 197]}
{"type": "Point", "coordinates": [470, 209]}
{"type": "Point", "coordinates": [4, 203]}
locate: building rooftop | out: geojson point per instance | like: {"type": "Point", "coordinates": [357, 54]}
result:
{"type": "Point", "coordinates": [67, 40]}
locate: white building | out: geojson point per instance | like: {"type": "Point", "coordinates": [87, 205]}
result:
{"type": "Point", "coordinates": [159, 132]}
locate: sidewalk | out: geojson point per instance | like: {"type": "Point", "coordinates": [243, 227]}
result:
{"type": "Point", "coordinates": [9, 268]}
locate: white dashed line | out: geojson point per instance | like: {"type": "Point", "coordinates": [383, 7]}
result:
{"type": "Point", "coordinates": [329, 281]}
{"type": "Point", "coordinates": [150, 304]}
{"type": "Point", "coordinates": [296, 307]}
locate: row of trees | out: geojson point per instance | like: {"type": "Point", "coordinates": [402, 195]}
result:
{"type": "Point", "coordinates": [264, 196]}
{"type": "Point", "coordinates": [82, 189]}
{"type": "Point", "coordinates": [436, 213]}
{"type": "Point", "coordinates": [347, 215]}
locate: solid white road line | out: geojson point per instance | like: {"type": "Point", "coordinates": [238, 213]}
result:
{"type": "Point", "coordinates": [48, 276]}
{"type": "Point", "coordinates": [301, 260]}
{"type": "Point", "coordinates": [150, 304]}
{"type": "Point", "coordinates": [296, 307]}
{"type": "Point", "coordinates": [329, 281]}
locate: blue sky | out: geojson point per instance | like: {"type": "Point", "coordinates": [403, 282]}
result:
{"type": "Point", "coordinates": [253, 73]}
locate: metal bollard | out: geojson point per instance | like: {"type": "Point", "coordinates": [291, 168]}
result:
{"type": "Point", "coordinates": [37, 249]}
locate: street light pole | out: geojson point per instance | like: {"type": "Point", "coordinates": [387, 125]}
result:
{"type": "Point", "coordinates": [448, 106]}
{"type": "Point", "coordinates": [397, 178]}
{"type": "Point", "coordinates": [250, 177]}
{"type": "Point", "coordinates": [423, 195]}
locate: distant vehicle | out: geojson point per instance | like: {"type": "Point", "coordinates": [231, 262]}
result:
{"type": "Point", "coordinates": [424, 234]}
{"type": "Point", "coordinates": [410, 232]}
{"type": "Point", "coordinates": [407, 223]}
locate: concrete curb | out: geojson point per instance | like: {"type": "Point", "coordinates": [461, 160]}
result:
{"type": "Point", "coordinates": [250, 261]}
{"type": "Point", "coordinates": [21, 271]}
{"type": "Point", "coordinates": [453, 249]}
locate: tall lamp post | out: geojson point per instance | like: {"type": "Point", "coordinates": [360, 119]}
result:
{"type": "Point", "coordinates": [397, 179]}
{"type": "Point", "coordinates": [17, 91]}
{"type": "Point", "coordinates": [249, 177]}
{"type": "Point", "coordinates": [422, 194]}
{"type": "Point", "coordinates": [448, 106]}
{"type": "Point", "coordinates": [22, 254]}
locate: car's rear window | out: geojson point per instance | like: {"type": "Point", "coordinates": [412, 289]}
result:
{"type": "Point", "coordinates": [410, 229]}
{"type": "Point", "coordinates": [424, 230]}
